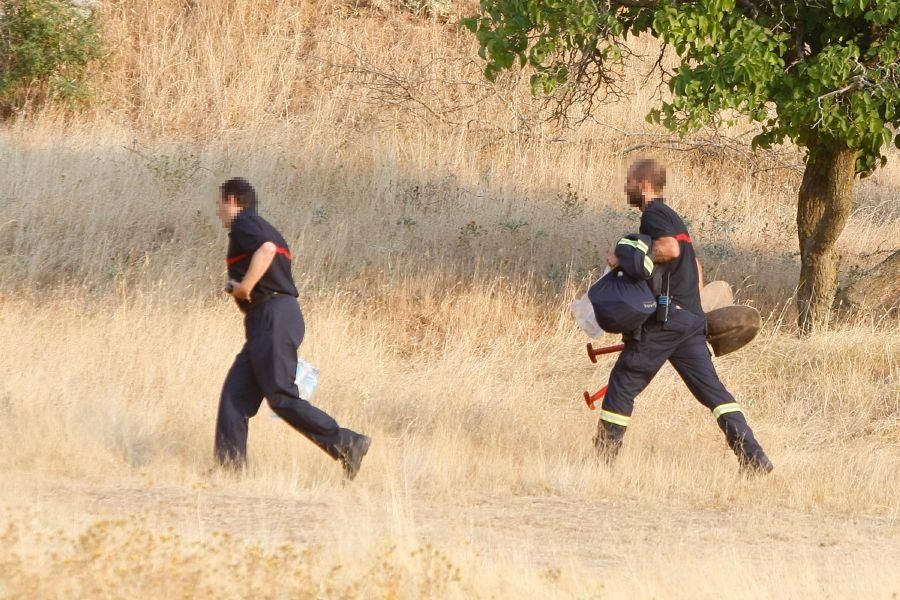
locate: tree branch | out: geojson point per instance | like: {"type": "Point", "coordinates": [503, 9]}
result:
{"type": "Point", "coordinates": [796, 52]}
{"type": "Point", "coordinates": [634, 3]}
{"type": "Point", "coordinates": [857, 83]}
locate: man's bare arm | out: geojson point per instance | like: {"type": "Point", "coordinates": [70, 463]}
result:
{"type": "Point", "coordinates": [665, 249]}
{"type": "Point", "coordinates": [700, 273]}
{"type": "Point", "coordinates": [259, 264]}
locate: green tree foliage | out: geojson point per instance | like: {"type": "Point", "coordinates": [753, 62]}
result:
{"type": "Point", "coordinates": [824, 74]}
{"type": "Point", "coordinates": [45, 47]}
{"type": "Point", "coordinates": [806, 70]}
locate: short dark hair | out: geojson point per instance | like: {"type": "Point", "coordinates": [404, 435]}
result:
{"type": "Point", "coordinates": [650, 170]}
{"type": "Point", "coordinates": [242, 191]}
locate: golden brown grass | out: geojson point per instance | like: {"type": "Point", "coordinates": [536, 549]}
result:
{"type": "Point", "coordinates": [441, 229]}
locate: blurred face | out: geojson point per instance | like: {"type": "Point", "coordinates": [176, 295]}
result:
{"type": "Point", "coordinates": [227, 209]}
{"type": "Point", "coordinates": [635, 190]}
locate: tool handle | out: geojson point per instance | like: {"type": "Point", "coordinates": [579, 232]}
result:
{"type": "Point", "coordinates": [592, 399]}
{"type": "Point", "coordinates": [593, 353]}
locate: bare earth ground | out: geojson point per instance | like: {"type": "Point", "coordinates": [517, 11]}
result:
{"type": "Point", "coordinates": [592, 531]}
{"type": "Point", "coordinates": [542, 532]}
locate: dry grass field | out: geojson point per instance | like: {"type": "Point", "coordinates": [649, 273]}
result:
{"type": "Point", "coordinates": [440, 229]}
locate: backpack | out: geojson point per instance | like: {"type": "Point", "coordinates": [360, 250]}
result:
{"type": "Point", "coordinates": [621, 303]}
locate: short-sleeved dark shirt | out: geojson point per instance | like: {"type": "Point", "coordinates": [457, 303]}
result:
{"type": "Point", "coordinates": [659, 220]}
{"type": "Point", "coordinates": [249, 231]}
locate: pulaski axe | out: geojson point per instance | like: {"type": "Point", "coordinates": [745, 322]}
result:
{"type": "Point", "coordinates": [593, 353]}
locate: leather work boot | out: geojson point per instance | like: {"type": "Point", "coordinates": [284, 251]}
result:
{"type": "Point", "coordinates": [353, 453]}
{"type": "Point", "coordinates": [608, 441]}
{"type": "Point", "coordinates": [756, 464]}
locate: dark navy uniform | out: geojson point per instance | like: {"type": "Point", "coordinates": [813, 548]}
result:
{"type": "Point", "coordinates": [266, 366]}
{"type": "Point", "coordinates": [682, 341]}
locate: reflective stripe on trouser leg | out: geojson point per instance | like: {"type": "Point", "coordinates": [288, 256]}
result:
{"type": "Point", "coordinates": [724, 409]}
{"type": "Point", "coordinates": [694, 364]}
{"type": "Point", "coordinates": [635, 367]}
{"type": "Point", "coordinates": [611, 417]}
{"type": "Point", "coordinates": [610, 433]}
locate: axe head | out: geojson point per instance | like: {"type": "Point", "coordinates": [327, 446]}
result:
{"type": "Point", "coordinates": [731, 328]}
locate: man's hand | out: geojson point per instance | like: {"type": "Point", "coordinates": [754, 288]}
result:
{"type": "Point", "coordinates": [259, 264]}
{"type": "Point", "coordinates": [239, 290]}
{"type": "Point", "coordinates": [612, 260]}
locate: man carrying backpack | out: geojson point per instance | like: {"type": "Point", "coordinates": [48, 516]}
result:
{"type": "Point", "coordinates": [676, 332]}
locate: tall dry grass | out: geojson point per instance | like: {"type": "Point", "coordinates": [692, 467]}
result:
{"type": "Point", "coordinates": [480, 482]}
{"type": "Point", "coordinates": [374, 141]}
{"type": "Point", "coordinates": [440, 228]}
{"type": "Point", "coordinates": [486, 397]}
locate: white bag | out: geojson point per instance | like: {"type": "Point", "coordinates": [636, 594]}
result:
{"type": "Point", "coordinates": [584, 315]}
{"type": "Point", "coordinates": [307, 379]}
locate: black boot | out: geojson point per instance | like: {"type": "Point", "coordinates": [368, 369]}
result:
{"type": "Point", "coordinates": [756, 463]}
{"type": "Point", "coordinates": [752, 458]}
{"type": "Point", "coordinates": [608, 440]}
{"type": "Point", "coordinates": [352, 453]}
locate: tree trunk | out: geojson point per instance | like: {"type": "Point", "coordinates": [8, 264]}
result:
{"type": "Point", "coordinates": [822, 210]}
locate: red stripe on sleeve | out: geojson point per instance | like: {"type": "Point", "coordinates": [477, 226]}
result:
{"type": "Point", "coordinates": [684, 237]}
{"type": "Point", "coordinates": [237, 259]}
{"type": "Point", "coordinates": [278, 249]}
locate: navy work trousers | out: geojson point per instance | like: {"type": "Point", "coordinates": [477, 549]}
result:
{"type": "Point", "coordinates": [681, 341]}
{"type": "Point", "coordinates": [266, 367]}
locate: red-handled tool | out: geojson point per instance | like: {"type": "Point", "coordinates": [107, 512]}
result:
{"type": "Point", "coordinates": [593, 353]}
{"type": "Point", "coordinates": [591, 399]}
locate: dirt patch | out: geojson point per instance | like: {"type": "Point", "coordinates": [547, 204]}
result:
{"type": "Point", "coordinates": [545, 531]}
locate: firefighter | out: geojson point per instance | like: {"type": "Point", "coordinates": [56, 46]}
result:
{"type": "Point", "coordinates": [259, 269]}
{"type": "Point", "coordinates": [676, 332]}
